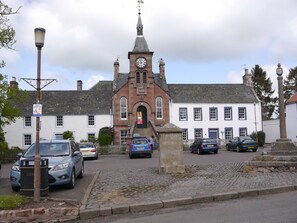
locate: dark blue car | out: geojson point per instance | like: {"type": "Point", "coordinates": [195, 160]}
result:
{"type": "Point", "coordinates": [204, 145]}
{"type": "Point", "coordinates": [242, 143]}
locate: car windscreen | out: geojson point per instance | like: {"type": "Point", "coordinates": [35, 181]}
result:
{"type": "Point", "coordinates": [49, 149]}
{"type": "Point", "coordinates": [209, 141]}
{"type": "Point", "coordinates": [139, 141]}
{"type": "Point", "coordinates": [85, 146]}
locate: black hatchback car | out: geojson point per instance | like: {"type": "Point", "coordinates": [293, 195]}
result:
{"type": "Point", "coordinates": [204, 145]}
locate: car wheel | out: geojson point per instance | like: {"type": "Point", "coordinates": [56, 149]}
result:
{"type": "Point", "coordinates": [215, 152]}
{"type": "Point", "coordinates": [191, 150]}
{"type": "Point", "coordinates": [150, 156]}
{"type": "Point", "coordinates": [237, 149]}
{"type": "Point", "coordinates": [15, 189]}
{"type": "Point", "coordinates": [227, 147]}
{"type": "Point", "coordinates": [130, 156]}
{"type": "Point", "coordinates": [81, 174]}
{"type": "Point", "coordinates": [71, 184]}
{"type": "Point", "coordinates": [254, 150]}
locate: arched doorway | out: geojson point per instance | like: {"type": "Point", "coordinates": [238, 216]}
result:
{"type": "Point", "coordinates": [141, 117]}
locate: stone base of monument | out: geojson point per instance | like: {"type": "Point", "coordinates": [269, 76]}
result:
{"type": "Point", "coordinates": [281, 158]}
{"type": "Point", "coordinates": [171, 149]}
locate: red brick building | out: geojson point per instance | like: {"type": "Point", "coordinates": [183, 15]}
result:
{"type": "Point", "coordinates": [141, 97]}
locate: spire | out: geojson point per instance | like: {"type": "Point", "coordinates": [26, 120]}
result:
{"type": "Point", "coordinates": [140, 44]}
{"type": "Point", "coordinates": [139, 26]}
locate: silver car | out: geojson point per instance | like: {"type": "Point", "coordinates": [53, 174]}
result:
{"type": "Point", "coordinates": [88, 150]}
{"type": "Point", "coordinates": [65, 163]}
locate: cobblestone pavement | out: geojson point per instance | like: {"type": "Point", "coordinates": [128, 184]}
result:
{"type": "Point", "coordinates": [121, 187]}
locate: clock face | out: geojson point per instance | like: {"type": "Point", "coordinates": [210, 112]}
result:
{"type": "Point", "coordinates": [141, 62]}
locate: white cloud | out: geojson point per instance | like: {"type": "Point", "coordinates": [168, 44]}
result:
{"type": "Point", "coordinates": [93, 80]}
{"type": "Point", "coordinates": [84, 36]}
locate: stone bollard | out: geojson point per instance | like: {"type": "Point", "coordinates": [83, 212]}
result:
{"type": "Point", "coordinates": [171, 149]}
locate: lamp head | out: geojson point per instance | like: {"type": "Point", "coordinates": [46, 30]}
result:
{"type": "Point", "coordinates": [279, 70]}
{"type": "Point", "coordinates": [39, 37]}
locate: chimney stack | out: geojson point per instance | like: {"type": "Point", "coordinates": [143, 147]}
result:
{"type": "Point", "coordinates": [79, 85]}
{"type": "Point", "coordinates": [247, 78]}
{"type": "Point", "coordinates": [14, 83]}
{"type": "Point", "coordinates": [162, 68]}
{"type": "Point", "coordinates": [116, 66]}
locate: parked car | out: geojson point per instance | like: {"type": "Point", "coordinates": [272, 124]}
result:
{"type": "Point", "coordinates": [88, 150]}
{"type": "Point", "coordinates": [242, 143]}
{"type": "Point", "coordinates": [140, 147]}
{"type": "Point", "coordinates": [204, 145]}
{"type": "Point", "coordinates": [65, 163]}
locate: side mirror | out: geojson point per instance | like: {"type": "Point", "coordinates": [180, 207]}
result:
{"type": "Point", "coordinates": [19, 155]}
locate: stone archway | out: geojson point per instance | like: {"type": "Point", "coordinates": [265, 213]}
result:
{"type": "Point", "coordinates": [141, 117]}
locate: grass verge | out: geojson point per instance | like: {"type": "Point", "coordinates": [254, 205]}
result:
{"type": "Point", "coordinates": [12, 202]}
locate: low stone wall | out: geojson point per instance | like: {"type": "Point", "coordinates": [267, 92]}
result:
{"type": "Point", "coordinates": [112, 149]}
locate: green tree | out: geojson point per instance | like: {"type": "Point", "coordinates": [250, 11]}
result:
{"type": "Point", "coordinates": [263, 88]}
{"type": "Point", "coordinates": [290, 83]}
{"type": "Point", "coordinates": [8, 96]}
{"type": "Point", "coordinates": [7, 33]}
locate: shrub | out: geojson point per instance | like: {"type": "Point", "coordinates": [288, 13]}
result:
{"type": "Point", "coordinates": [261, 137]}
{"type": "Point", "coordinates": [9, 155]}
{"type": "Point", "coordinates": [68, 135]}
{"type": "Point", "coordinates": [105, 136]}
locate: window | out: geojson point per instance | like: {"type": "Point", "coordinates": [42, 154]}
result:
{"type": "Point", "coordinates": [124, 134]}
{"type": "Point", "coordinates": [27, 140]}
{"type": "Point", "coordinates": [213, 114]}
{"type": "Point", "coordinates": [242, 113]}
{"type": "Point", "coordinates": [59, 121]}
{"type": "Point", "coordinates": [123, 108]}
{"type": "Point", "coordinates": [228, 113]}
{"type": "Point", "coordinates": [138, 78]}
{"type": "Point", "coordinates": [198, 133]}
{"type": "Point", "coordinates": [228, 133]}
{"type": "Point", "coordinates": [144, 78]}
{"type": "Point", "coordinates": [27, 121]}
{"type": "Point", "coordinates": [91, 137]}
{"type": "Point", "coordinates": [242, 131]}
{"type": "Point", "coordinates": [159, 108]}
{"type": "Point", "coordinates": [59, 136]}
{"type": "Point", "coordinates": [183, 114]}
{"type": "Point", "coordinates": [198, 114]}
{"type": "Point", "coordinates": [91, 120]}
{"type": "Point", "coordinates": [185, 134]}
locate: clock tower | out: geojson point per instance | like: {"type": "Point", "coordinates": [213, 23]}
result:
{"type": "Point", "coordinates": [141, 99]}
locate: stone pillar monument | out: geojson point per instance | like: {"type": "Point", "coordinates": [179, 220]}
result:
{"type": "Point", "coordinates": [171, 149]}
{"type": "Point", "coordinates": [283, 154]}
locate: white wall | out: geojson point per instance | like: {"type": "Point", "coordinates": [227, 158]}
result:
{"type": "Point", "coordinates": [251, 110]}
{"type": "Point", "coordinates": [291, 121]}
{"type": "Point", "coordinates": [271, 129]}
{"type": "Point", "coordinates": [77, 124]}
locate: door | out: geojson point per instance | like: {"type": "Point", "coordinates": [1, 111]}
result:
{"type": "Point", "coordinates": [141, 116]}
{"type": "Point", "coordinates": [213, 133]}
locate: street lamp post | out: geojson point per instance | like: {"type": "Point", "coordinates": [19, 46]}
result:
{"type": "Point", "coordinates": [282, 118]}
{"type": "Point", "coordinates": [39, 42]}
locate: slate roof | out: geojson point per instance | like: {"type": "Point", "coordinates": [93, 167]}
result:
{"type": "Point", "coordinates": [211, 93]}
{"type": "Point", "coordinates": [124, 77]}
{"type": "Point", "coordinates": [88, 102]}
{"type": "Point", "coordinates": [98, 100]}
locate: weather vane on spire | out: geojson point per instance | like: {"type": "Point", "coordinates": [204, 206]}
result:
{"type": "Point", "coordinates": [139, 5]}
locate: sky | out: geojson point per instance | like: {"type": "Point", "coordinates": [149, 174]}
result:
{"type": "Point", "coordinates": [201, 42]}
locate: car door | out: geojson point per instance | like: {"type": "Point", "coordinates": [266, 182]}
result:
{"type": "Point", "coordinates": [77, 159]}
